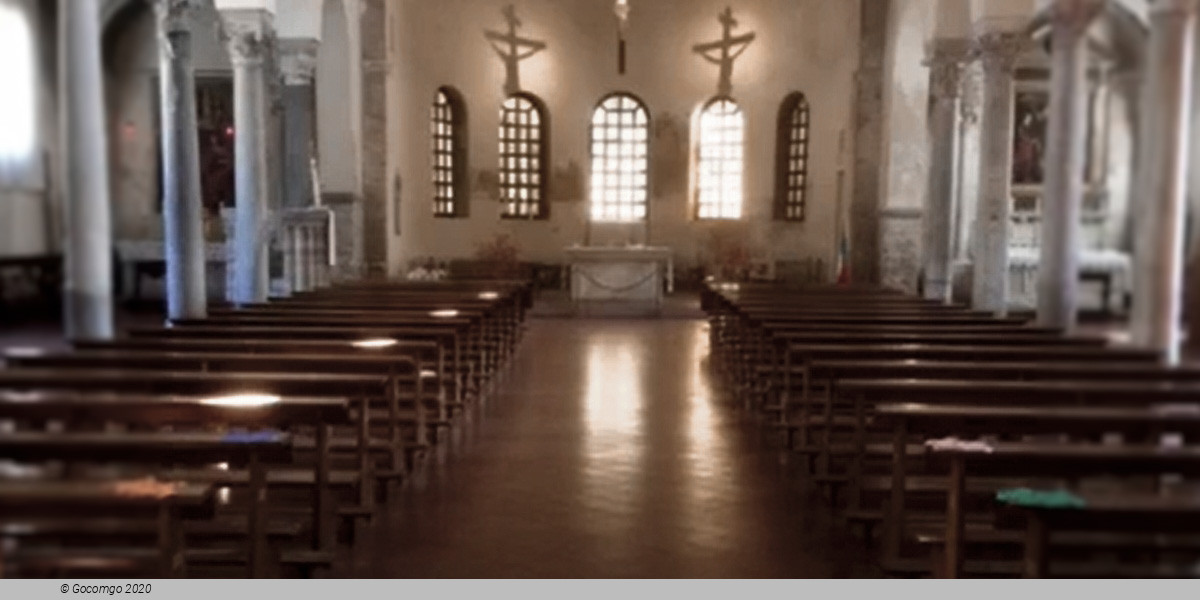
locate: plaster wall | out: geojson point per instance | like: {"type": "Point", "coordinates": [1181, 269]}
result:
{"type": "Point", "coordinates": [801, 45]}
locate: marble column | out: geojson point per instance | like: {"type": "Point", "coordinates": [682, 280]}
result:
{"type": "Point", "coordinates": [945, 76]}
{"type": "Point", "coordinates": [1058, 267]}
{"type": "Point", "coordinates": [1163, 165]}
{"type": "Point", "coordinates": [88, 268]}
{"type": "Point", "coordinates": [966, 180]}
{"type": "Point", "coordinates": [298, 60]}
{"type": "Point", "coordinates": [183, 221]}
{"type": "Point", "coordinates": [248, 33]}
{"type": "Point", "coordinates": [998, 50]}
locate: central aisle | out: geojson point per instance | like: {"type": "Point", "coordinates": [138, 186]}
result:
{"type": "Point", "coordinates": [604, 453]}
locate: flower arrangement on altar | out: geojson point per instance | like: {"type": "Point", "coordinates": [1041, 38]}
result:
{"type": "Point", "coordinates": [500, 255]}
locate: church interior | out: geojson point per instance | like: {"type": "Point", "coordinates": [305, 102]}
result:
{"type": "Point", "coordinates": [599, 288]}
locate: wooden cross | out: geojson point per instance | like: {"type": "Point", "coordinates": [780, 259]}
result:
{"type": "Point", "coordinates": [512, 49]}
{"type": "Point", "coordinates": [725, 50]}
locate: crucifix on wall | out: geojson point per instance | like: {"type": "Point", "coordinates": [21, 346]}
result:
{"type": "Point", "coordinates": [512, 49]}
{"type": "Point", "coordinates": [621, 9]}
{"type": "Point", "coordinates": [725, 50]}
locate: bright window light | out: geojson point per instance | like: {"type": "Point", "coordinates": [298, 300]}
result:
{"type": "Point", "coordinates": [620, 136]}
{"type": "Point", "coordinates": [719, 179]}
{"type": "Point", "coordinates": [17, 108]}
{"type": "Point", "coordinates": [375, 343]}
{"type": "Point", "coordinates": [242, 400]}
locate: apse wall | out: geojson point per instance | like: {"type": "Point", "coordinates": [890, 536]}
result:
{"type": "Point", "coordinates": [809, 46]}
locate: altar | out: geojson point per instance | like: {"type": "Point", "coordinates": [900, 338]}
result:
{"type": "Point", "coordinates": [629, 276]}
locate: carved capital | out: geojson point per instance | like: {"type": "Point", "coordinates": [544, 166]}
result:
{"type": "Point", "coordinates": [247, 35]}
{"type": "Point", "coordinates": [972, 95]}
{"type": "Point", "coordinates": [1075, 16]}
{"type": "Point", "coordinates": [999, 50]}
{"type": "Point", "coordinates": [1180, 8]}
{"type": "Point", "coordinates": [174, 16]}
{"type": "Point", "coordinates": [946, 59]}
{"type": "Point", "coordinates": [298, 60]}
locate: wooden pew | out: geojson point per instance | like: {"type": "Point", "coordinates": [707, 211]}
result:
{"type": "Point", "coordinates": [1136, 421]}
{"type": "Point", "coordinates": [358, 388]}
{"type": "Point", "coordinates": [168, 505]}
{"type": "Point", "coordinates": [868, 392]}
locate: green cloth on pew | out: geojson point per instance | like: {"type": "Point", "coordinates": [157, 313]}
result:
{"type": "Point", "coordinates": [1028, 498]}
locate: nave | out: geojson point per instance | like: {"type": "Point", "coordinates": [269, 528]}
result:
{"type": "Point", "coordinates": [607, 452]}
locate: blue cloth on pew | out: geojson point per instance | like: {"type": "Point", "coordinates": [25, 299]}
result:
{"type": "Point", "coordinates": [253, 437]}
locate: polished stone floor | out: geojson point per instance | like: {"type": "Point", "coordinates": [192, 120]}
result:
{"type": "Point", "coordinates": [606, 453]}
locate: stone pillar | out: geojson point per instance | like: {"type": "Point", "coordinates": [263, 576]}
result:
{"type": "Point", "coordinates": [249, 31]}
{"type": "Point", "coordinates": [945, 75]}
{"type": "Point", "coordinates": [1058, 268]}
{"type": "Point", "coordinates": [998, 51]}
{"type": "Point", "coordinates": [183, 226]}
{"type": "Point", "coordinates": [303, 258]}
{"type": "Point", "coordinates": [88, 268]}
{"type": "Point", "coordinates": [298, 60]}
{"type": "Point", "coordinates": [1163, 165]}
{"type": "Point", "coordinates": [864, 215]}
{"type": "Point", "coordinates": [375, 111]}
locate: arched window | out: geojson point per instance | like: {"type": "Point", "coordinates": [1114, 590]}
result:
{"type": "Point", "coordinates": [18, 116]}
{"type": "Point", "coordinates": [447, 122]}
{"type": "Point", "coordinates": [791, 162]}
{"type": "Point", "coordinates": [523, 158]}
{"type": "Point", "coordinates": [719, 169]}
{"type": "Point", "coordinates": [620, 139]}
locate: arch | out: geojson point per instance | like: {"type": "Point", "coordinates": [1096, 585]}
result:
{"type": "Point", "coordinates": [720, 159]}
{"type": "Point", "coordinates": [791, 158]}
{"type": "Point", "coordinates": [523, 137]}
{"type": "Point", "coordinates": [448, 145]}
{"type": "Point", "coordinates": [619, 142]}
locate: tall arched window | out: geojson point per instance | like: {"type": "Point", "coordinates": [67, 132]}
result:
{"type": "Point", "coordinates": [447, 124]}
{"type": "Point", "coordinates": [719, 169]}
{"type": "Point", "coordinates": [523, 158]}
{"type": "Point", "coordinates": [18, 107]}
{"type": "Point", "coordinates": [791, 162]}
{"type": "Point", "coordinates": [620, 139]}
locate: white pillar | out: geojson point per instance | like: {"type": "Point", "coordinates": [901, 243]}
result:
{"type": "Point", "coordinates": [183, 227]}
{"type": "Point", "coordinates": [998, 51]}
{"type": "Point", "coordinates": [88, 287]}
{"type": "Point", "coordinates": [249, 32]}
{"type": "Point", "coordinates": [945, 77]}
{"type": "Point", "coordinates": [1167, 99]}
{"type": "Point", "coordinates": [1058, 269]}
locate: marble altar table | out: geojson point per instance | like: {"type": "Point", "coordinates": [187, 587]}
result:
{"type": "Point", "coordinates": [630, 275]}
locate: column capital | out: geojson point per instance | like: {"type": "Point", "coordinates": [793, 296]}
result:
{"type": "Point", "coordinates": [972, 95]}
{"type": "Point", "coordinates": [174, 16]}
{"type": "Point", "coordinates": [1075, 15]}
{"type": "Point", "coordinates": [247, 33]}
{"type": "Point", "coordinates": [946, 59]}
{"type": "Point", "coordinates": [999, 50]}
{"type": "Point", "coordinates": [1174, 7]}
{"type": "Point", "coordinates": [298, 60]}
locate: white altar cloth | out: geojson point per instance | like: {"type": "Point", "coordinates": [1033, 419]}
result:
{"type": "Point", "coordinates": [620, 274]}
{"type": "Point", "coordinates": [1113, 264]}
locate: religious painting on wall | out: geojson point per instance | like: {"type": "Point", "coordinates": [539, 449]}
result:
{"type": "Point", "coordinates": [214, 129]}
{"type": "Point", "coordinates": [214, 121]}
{"type": "Point", "coordinates": [1031, 108]}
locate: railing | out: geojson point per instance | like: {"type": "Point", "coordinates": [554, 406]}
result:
{"type": "Point", "coordinates": [306, 239]}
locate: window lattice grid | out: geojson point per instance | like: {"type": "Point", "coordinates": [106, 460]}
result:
{"type": "Point", "coordinates": [620, 140]}
{"type": "Point", "coordinates": [442, 125]}
{"type": "Point", "coordinates": [797, 163]}
{"type": "Point", "coordinates": [720, 166]}
{"type": "Point", "coordinates": [521, 168]}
